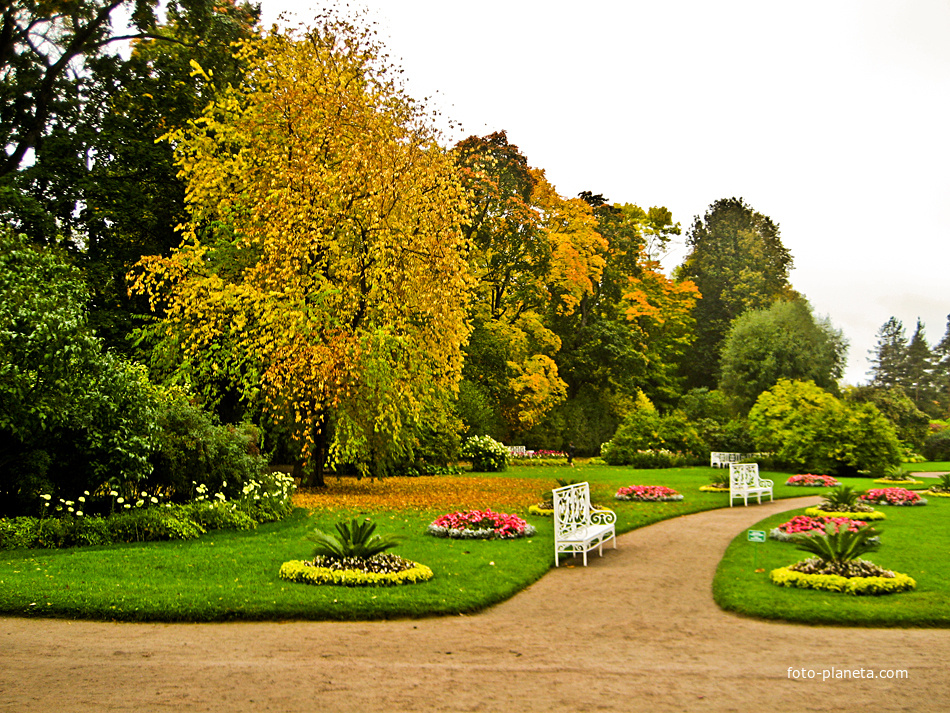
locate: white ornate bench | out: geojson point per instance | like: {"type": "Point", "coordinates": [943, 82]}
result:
{"type": "Point", "coordinates": [744, 481]}
{"type": "Point", "coordinates": [578, 528]}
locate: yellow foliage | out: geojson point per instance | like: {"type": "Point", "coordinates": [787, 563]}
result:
{"type": "Point", "coordinates": [324, 245]}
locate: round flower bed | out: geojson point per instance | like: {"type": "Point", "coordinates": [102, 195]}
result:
{"type": "Point", "coordinates": [807, 526]}
{"type": "Point", "coordinates": [480, 525]}
{"type": "Point", "coordinates": [541, 510]}
{"type": "Point", "coordinates": [648, 493]}
{"type": "Point", "coordinates": [870, 515]}
{"type": "Point", "coordinates": [809, 480]}
{"type": "Point", "coordinates": [893, 496]}
{"type": "Point", "coordinates": [936, 493]}
{"type": "Point", "coordinates": [377, 571]}
{"type": "Point", "coordinates": [857, 577]}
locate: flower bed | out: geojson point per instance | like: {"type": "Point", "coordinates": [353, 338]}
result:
{"type": "Point", "coordinates": [648, 493]}
{"type": "Point", "coordinates": [899, 481]}
{"type": "Point", "coordinates": [480, 525]}
{"type": "Point", "coordinates": [872, 515]}
{"type": "Point", "coordinates": [936, 493]}
{"type": "Point", "coordinates": [893, 496]}
{"type": "Point", "coordinates": [807, 526]}
{"type": "Point", "coordinates": [886, 582]}
{"type": "Point", "coordinates": [808, 480]}
{"type": "Point", "coordinates": [714, 488]}
{"type": "Point", "coordinates": [378, 571]}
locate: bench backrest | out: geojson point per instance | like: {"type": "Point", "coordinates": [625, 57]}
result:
{"type": "Point", "coordinates": [721, 460]}
{"type": "Point", "coordinates": [571, 508]}
{"type": "Point", "coordinates": [743, 475]}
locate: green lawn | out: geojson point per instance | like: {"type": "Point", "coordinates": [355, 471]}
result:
{"type": "Point", "coordinates": [233, 575]}
{"type": "Point", "coordinates": [915, 541]}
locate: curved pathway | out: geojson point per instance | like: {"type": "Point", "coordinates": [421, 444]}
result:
{"type": "Point", "coordinates": [637, 630]}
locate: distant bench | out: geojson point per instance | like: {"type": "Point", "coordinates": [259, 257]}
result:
{"type": "Point", "coordinates": [722, 460]}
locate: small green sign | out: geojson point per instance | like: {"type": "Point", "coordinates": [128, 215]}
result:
{"type": "Point", "coordinates": [756, 535]}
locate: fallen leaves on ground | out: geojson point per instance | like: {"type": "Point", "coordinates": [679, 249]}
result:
{"type": "Point", "coordinates": [442, 493]}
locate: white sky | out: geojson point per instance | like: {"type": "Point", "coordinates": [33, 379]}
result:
{"type": "Point", "coordinates": [831, 117]}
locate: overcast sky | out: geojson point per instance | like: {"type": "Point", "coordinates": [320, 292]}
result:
{"type": "Point", "coordinates": [830, 117]}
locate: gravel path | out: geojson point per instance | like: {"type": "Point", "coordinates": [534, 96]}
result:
{"type": "Point", "coordinates": [637, 630]}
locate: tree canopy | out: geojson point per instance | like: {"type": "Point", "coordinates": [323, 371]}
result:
{"type": "Point", "coordinates": [323, 264]}
{"type": "Point", "coordinates": [738, 262]}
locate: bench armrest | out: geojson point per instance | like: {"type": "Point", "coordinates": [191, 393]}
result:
{"type": "Point", "coordinates": [603, 517]}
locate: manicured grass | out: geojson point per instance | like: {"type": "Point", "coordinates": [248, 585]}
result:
{"type": "Point", "coordinates": [915, 541]}
{"type": "Point", "coordinates": [233, 575]}
{"type": "Point", "coordinates": [928, 467]}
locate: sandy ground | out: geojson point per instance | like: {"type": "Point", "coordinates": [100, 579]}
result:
{"type": "Point", "coordinates": [637, 630]}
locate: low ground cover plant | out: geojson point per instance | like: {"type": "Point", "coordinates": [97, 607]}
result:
{"type": "Point", "coordinates": [480, 525]}
{"type": "Point", "coordinates": [647, 493]}
{"type": "Point", "coordinates": [148, 517]}
{"type": "Point", "coordinates": [844, 501]}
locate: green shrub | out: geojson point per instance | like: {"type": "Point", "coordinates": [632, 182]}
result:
{"type": "Point", "coordinates": [192, 450]}
{"type": "Point", "coordinates": [937, 445]}
{"type": "Point", "coordinates": [655, 441]}
{"type": "Point", "coordinates": [487, 454]}
{"type": "Point", "coordinates": [809, 430]}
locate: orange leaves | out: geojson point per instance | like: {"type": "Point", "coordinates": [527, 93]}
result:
{"type": "Point", "coordinates": [430, 493]}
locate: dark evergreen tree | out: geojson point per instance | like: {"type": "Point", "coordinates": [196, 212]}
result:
{"type": "Point", "coordinates": [889, 356]}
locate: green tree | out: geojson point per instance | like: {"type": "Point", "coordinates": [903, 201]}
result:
{"type": "Point", "coordinates": [909, 421]}
{"type": "Point", "coordinates": [783, 341]}
{"type": "Point", "coordinates": [323, 267]}
{"type": "Point", "coordinates": [738, 262]}
{"type": "Point", "coordinates": [99, 179]}
{"type": "Point", "coordinates": [941, 362]}
{"type": "Point", "coordinates": [919, 370]}
{"type": "Point", "coordinates": [810, 430]}
{"type": "Point", "coordinates": [72, 416]}
{"type": "Point", "coordinates": [889, 356]}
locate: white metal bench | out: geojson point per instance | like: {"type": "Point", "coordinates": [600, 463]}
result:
{"type": "Point", "coordinates": [744, 481]}
{"type": "Point", "coordinates": [578, 528]}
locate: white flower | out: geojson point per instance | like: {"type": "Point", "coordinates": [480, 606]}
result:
{"type": "Point", "coordinates": [139, 503]}
{"type": "Point", "coordinates": [81, 499]}
{"type": "Point", "coordinates": [46, 497]}
{"type": "Point", "coordinates": [79, 513]}
{"type": "Point", "coordinates": [120, 501]}
{"type": "Point", "coordinates": [153, 499]}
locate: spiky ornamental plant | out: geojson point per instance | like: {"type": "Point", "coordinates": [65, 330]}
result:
{"type": "Point", "coordinates": [356, 540]}
{"type": "Point", "coordinates": [840, 545]}
{"type": "Point", "coordinates": [844, 498]}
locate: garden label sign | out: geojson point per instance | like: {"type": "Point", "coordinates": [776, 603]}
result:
{"type": "Point", "coordinates": [755, 536]}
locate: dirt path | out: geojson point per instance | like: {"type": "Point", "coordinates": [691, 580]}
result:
{"type": "Point", "coordinates": [635, 631]}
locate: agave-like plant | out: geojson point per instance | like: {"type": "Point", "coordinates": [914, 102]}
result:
{"type": "Point", "coordinates": [944, 486]}
{"type": "Point", "coordinates": [844, 498]}
{"type": "Point", "coordinates": [356, 540]}
{"type": "Point", "coordinates": [840, 545]}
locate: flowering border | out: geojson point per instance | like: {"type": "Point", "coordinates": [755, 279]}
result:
{"type": "Point", "coordinates": [808, 526]}
{"type": "Point", "coordinates": [908, 481]}
{"type": "Point", "coordinates": [935, 494]}
{"type": "Point", "coordinates": [873, 515]}
{"type": "Point", "coordinates": [713, 489]}
{"type": "Point", "coordinates": [647, 494]}
{"type": "Point", "coordinates": [858, 586]}
{"type": "Point", "coordinates": [900, 497]}
{"type": "Point", "coordinates": [303, 573]}
{"type": "Point", "coordinates": [809, 480]}
{"type": "Point", "coordinates": [464, 525]}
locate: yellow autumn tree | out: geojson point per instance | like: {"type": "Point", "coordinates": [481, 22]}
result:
{"type": "Point", "coordinates": [324, 247]}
